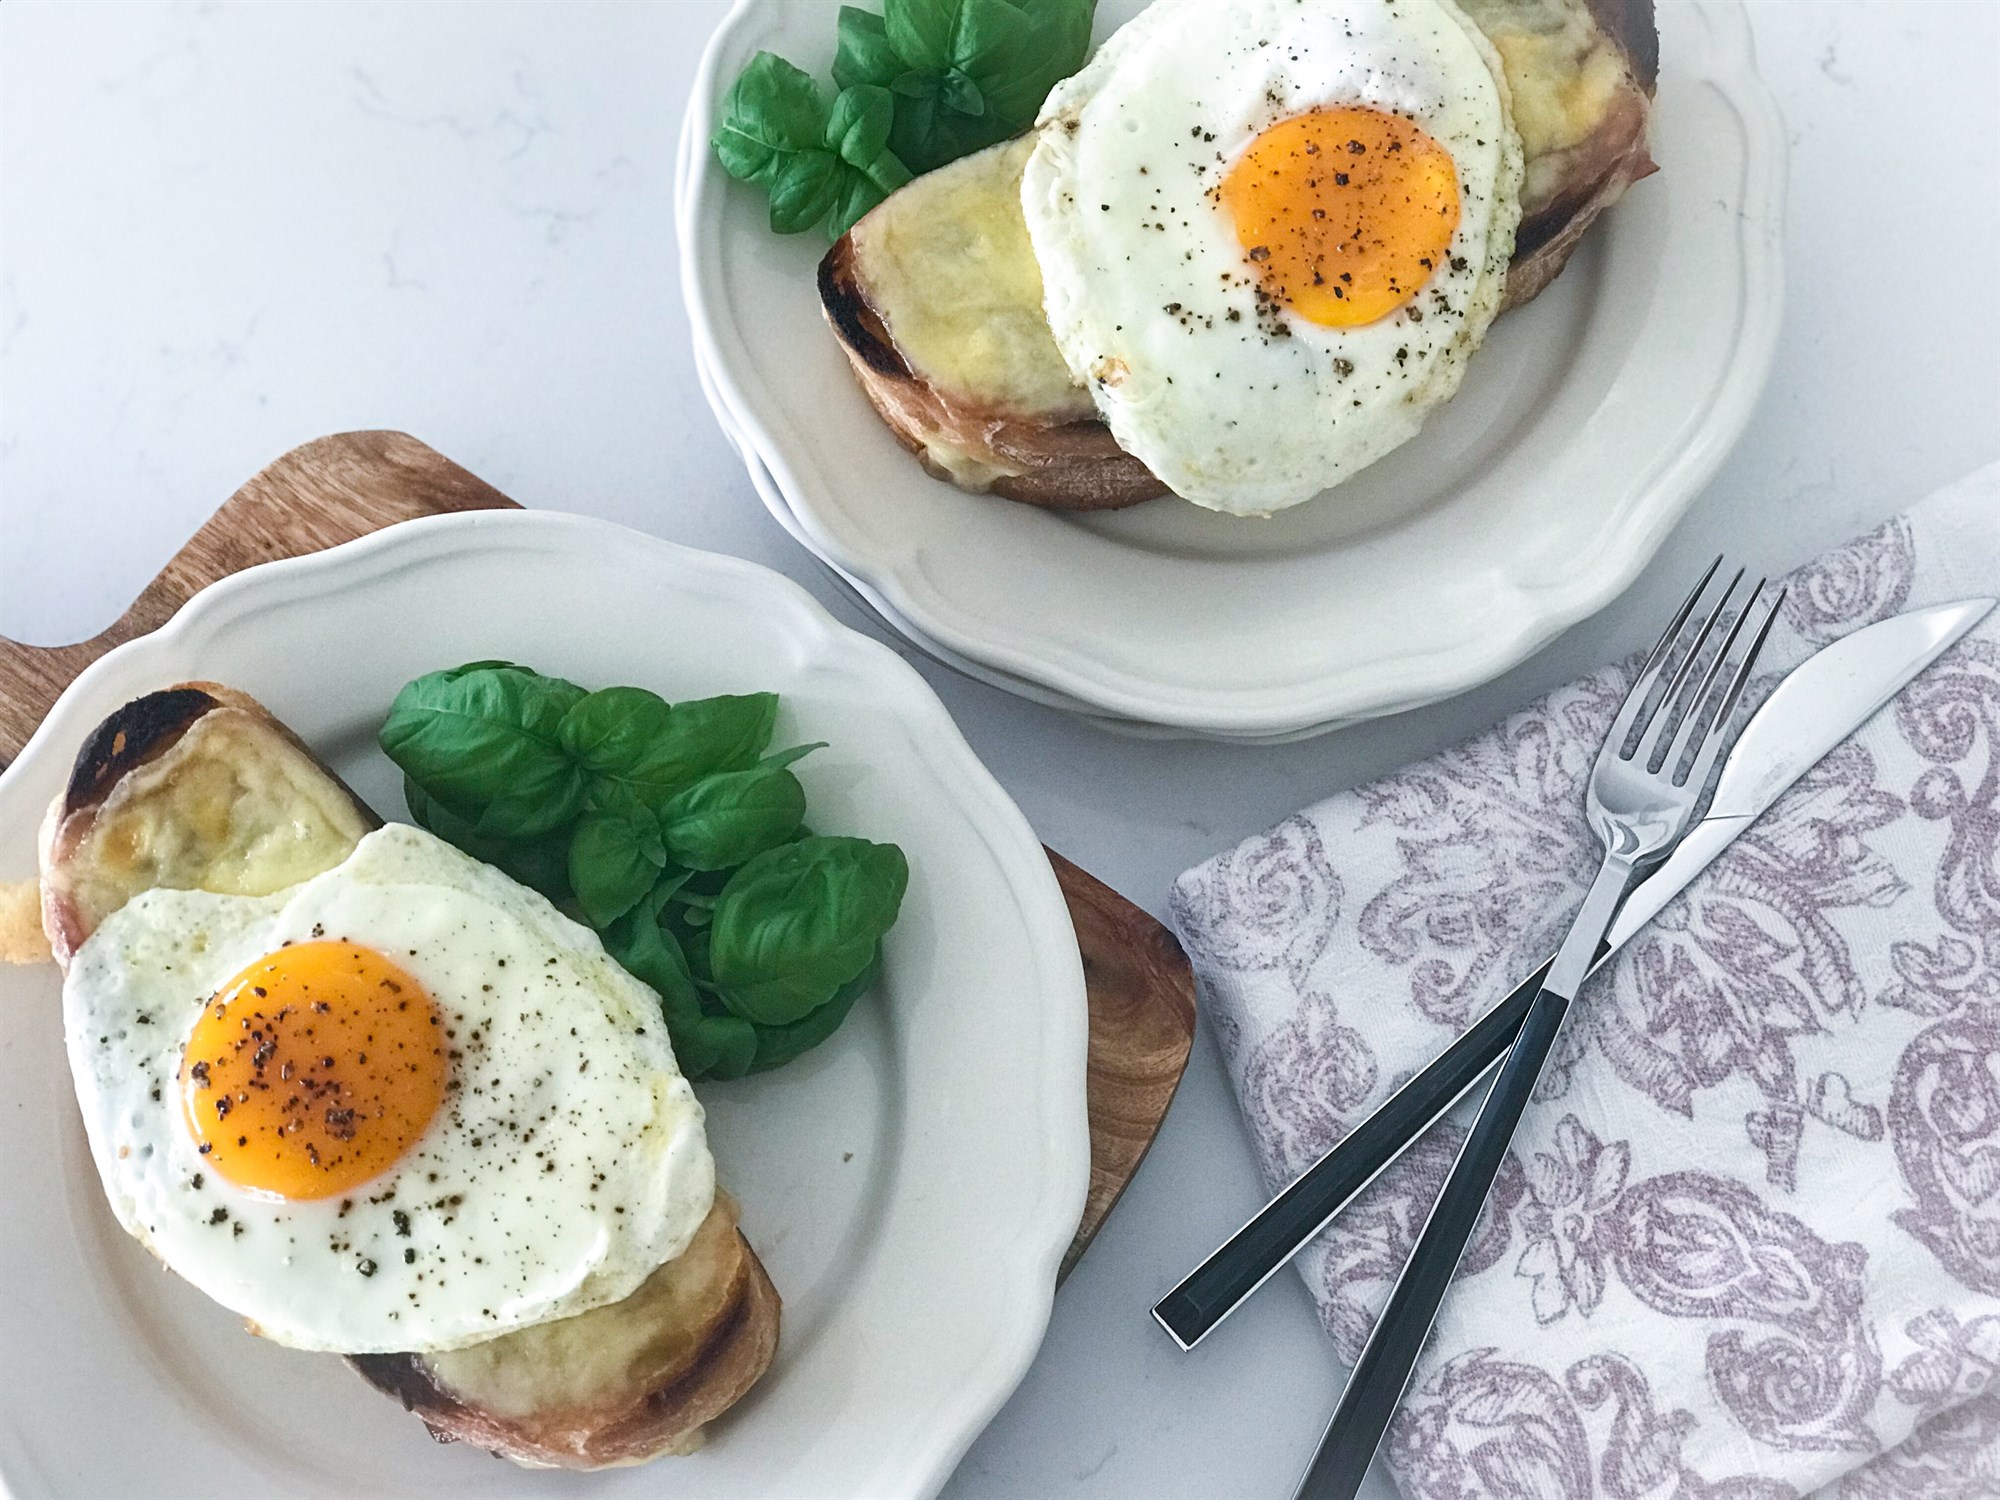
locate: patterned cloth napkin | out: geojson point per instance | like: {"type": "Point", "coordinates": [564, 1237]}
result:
{"type": "Point", "coordinates": [1747, 1245]}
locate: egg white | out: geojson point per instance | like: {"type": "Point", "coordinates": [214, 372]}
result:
{"type": "Point", "coordinates": [1151, 297]}
{"type": "Point", "coordinates": [566, 1165]}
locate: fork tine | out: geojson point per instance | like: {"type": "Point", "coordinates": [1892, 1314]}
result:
{"type": "Point", "coordinates": [1659, 652]}
{"type": "Point", "coordinates": [1711, 746]}
{"type": "Point", "coordinates": [1662, 719]}
{"type": "Point", "coordinates": [1696, 722]}
{"type": "Point", "coordinates": [1656, 660]}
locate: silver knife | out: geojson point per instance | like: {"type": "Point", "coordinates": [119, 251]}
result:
{"type": "Point", "coordinates": [1819, 703]}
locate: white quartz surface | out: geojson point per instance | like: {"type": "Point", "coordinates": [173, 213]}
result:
{"type": "Point", "coordinates": [227, 228]}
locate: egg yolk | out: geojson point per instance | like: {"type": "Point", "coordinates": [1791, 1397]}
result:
{"type": "Point", "coordinates": [312, 1071]}
{"type": "Point", "coordinates": [1344, 212]}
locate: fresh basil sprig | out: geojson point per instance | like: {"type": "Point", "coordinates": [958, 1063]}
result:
{"type": "Point", "coordinates": [799, 921]}
{"type": "Point", "coordinates": [675, 831]}
{"type": "Point", "coordinates": [814, 159]}
{"type": "Point", "coordinates": [921, 84]}
{"type": "Point", "coordinates": [483, 741]}
{"type": "Point", "coordinates": [965, 73]}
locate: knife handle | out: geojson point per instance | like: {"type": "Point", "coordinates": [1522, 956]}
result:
{"type": "Point", "coordinates": [1375, 1388]}
{"type": "Point", "coordinates": [1291, 1220]}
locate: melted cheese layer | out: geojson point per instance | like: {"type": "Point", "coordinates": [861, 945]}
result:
{"type": "Point", "coordinates": [231, 809]}
{"type": "Point", "coordinates": [948, 267]}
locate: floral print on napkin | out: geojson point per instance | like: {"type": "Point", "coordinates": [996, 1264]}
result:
{"type": "Point", "coordinates": [1747, 1245]}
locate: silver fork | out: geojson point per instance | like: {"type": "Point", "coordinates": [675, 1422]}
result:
{"type": "Point", "coordinates": [1644, 788]}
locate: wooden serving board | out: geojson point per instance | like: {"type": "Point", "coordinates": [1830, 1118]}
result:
{"type": "Point", "coordinates": [342, 487]}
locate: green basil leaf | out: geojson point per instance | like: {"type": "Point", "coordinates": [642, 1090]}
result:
{"type": "Point", "coordinates": [922, 31]}
{"type": "Point", "coordinates": [857, 131]}
{"type": "Point", "coordinates": [540, 864]}
{"type": "Point", "coordinates": [780, 1044]}
{"type": "Point", "coordinates": [610, 863]}
{"type": "Point", "coordinates": [487, 666]}
{"type": "Point", "coordinates": [483, 742]}
{"type": "Point", "coordinates": [792, 755]}
{"type": "Point", "coordinates": [978, 70]}
{"type": "Point", "coordinates": [660, 750]}
{"type": "Point", "coordinates": [652, 954]}
{"type": "Point", "coordinates": [706, 1045]}
{"type": "Point", "coordinates": [609, 731]}
{"type": "Point", "coordinates": [704, 886]}
{"type": "Point", "coordinates": [864, 54]}
{"type": "Point", "coordinates": [774, 133]}
{"type": "Point", "coordinates": [429, 813]}
{"type": "Point", "coordinates": [725, 819]}
{"type": "Point", "coordinates": [1017, 50]}
{"type": "Point", "coordinates": [962, 94]}
{"type": "Point", "coordinates": [855, 196]}
{"type": "Point", "coordinates": [560, 689]}
{"type": "Point", "coordinates": [803, 189]}
{"type": "Point", "coordinates": [705, 735]}
{"type": "Point", "coordinates": [927, 135]}
{"type": "Point", "coordinates": [695, 943]}
{"type": "Point", "coordinates": [772, 110]}
{"type": "Point", "coordinates": [716, 1047]}
{"type": "Point", "coordinates": [797, 922]}
{"type": "Point", "coordinates": [618, 799]}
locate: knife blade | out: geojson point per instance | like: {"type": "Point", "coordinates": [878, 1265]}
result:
{"type": "Point", "coordinates": [1818, 704]}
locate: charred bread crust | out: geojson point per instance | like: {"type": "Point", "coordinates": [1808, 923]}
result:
{"type": "Point", "coordinates": [1059, 465]}
{"type": "Point", "coordinates": [1597, 172]}
{"type": "Point", "coordinates": [858, 325]}
{"type": "Point", "coordinates": [1076, 464]}
{"type": "Point", "coordinates": [133, 735]}
{"type": "Point", "coordinates": [733, 1351]}
{"type": "Point", "coordinates": [669, 1419]}
{"type": "Point", "coordinates": [130, 739]}
{"type": "Point", "coordinates": [1632, 28]}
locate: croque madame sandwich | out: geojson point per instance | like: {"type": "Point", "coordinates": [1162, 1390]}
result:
{"type": "Point", "coordinates": [1246, 249]}
{"type": "Point", "coordinates": [382, 1101]}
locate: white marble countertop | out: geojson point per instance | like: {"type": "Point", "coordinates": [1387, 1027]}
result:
{"type": "Point", "coordinates": [227, 228]}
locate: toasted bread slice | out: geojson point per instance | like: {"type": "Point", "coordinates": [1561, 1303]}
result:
{"type": "Point", "coordinates": [195, 787]}
{"type": "Point", "coordinates": [936, 296]}
{"type": "Point", "coordinates": [199, 787]}
{"type": "Point", "coordinates": [1582, 74]}
{"type": "Point", "coordinates": [616, 1385]}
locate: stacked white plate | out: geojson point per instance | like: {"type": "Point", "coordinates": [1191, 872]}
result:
{"type": "Point", "coordinates": [1586, 424]}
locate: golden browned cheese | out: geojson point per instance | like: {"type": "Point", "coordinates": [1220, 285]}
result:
{"type": "Point", "coordinates": [1565, 76]}
{"type": "Point", "coordinates": [609, 1358]}
{"type": "Point", "coordinates": [947, 265]}
{"type": "Point", "coordinates": [230, 808]}
{"type": "Point", "coordinates": [952, 273]}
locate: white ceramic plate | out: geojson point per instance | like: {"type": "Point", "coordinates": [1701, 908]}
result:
{"type": "Point", "coordinates": [1584, 428]}
{"type": "Point", "coordinates": [911, 1184]}
{"type": "Point", "coordinates": [877, 615]}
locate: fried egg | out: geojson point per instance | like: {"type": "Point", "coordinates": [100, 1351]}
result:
{"type": "Point", "coordinates": [406, 1105]}
{"type": "Point", "coordinates": [1271, 231]}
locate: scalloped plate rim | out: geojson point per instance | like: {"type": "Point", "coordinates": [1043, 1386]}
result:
{"type": "Point", "coordinates": [1025, 1243]}
{"type": "Point", "coordinates": [1388, 685]}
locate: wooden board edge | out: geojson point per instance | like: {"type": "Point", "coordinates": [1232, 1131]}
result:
{"type": "Point", "coordinates": [1142, 1023]}
{"type": "Point", "coordinates": [254, 525]}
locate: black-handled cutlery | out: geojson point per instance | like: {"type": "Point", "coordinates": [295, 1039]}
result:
{"type": "Point", "coordinates": [1648, 779]}
{"type": "Point", "coordinates": [1816, 706]}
